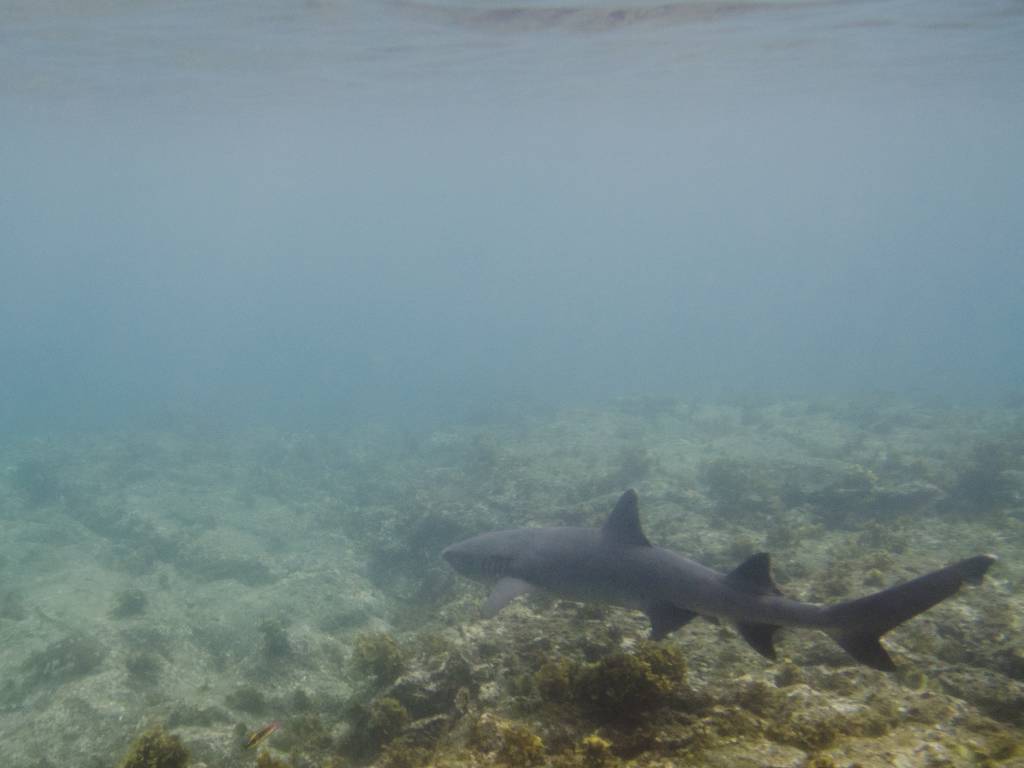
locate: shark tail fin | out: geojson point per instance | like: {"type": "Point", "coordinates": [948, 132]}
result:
{"type": "Point", "coordinates": [858, 624]}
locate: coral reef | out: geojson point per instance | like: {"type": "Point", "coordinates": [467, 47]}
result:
{"type": "Point", "coordinates": [220, 582]}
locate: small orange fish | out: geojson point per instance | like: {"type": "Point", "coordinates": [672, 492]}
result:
{"type": "Point", "coordinates": [259, 735]}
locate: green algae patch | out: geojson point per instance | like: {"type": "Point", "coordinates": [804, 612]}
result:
{"type": "Point", "coordinates": [509, 743]}
{"type": "Point", "coordinates": [387, 719]}
{"type": "Point", "coordinates": [595, 752]}
{"type": "Point", "coordinates": [374, 726]}
{"type": "Point", "coordinates": [156, 748]}
{"type": "Point", "coordinates": [266, 760]}
{"type": "Point", "coordinates": [520, 746]}
{"type": "Point", "coordinates": [553, 681]}
{"type": "Point", "coordinates": [622, 686]}
{"type": "Point", "coordinates": [378, 655]}
{"type": "Point", "coordinates": [403, 756]}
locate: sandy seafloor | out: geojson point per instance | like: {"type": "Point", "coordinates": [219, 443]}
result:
{"type": "Point", "coordinates": [212, 581]}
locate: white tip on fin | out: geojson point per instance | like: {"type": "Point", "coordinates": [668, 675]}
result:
{"type": "Point", "coordinates": [504, 592]}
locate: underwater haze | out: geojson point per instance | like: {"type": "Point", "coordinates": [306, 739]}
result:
{"type": "Point", "coordinates": [406, 210]}
{"type": "Point", "coordinates": [296, 295]}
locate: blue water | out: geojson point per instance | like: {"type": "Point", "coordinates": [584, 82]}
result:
{"type": "Point", "coordinates": [332, 212]}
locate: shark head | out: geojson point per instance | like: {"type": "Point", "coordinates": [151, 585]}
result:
{"type": "Point", "coordinates": [487, 557]}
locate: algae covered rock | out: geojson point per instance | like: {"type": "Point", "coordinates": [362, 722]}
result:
{"type": "Point", "coordinates": [621, 686]}
{"type": "Point", "coordinates": [37, 481]}
{"type": "Point", "coordinates": [595, 752]}
{"type": "Point", "coordinates": [74, 656]}
{"type": "Point", "coordinates": [507, 742]}
{"type": "Point", "coordinates": [755, 754]}
{"type": "Point", "coordinates": [276, 644]}
{"type": "Point", "coordinates": [426, 692]}
{"type": "Point", "coordinates": [128, 603]}
{"type": "Point", "coordinates": [554, 680]}
{"type": "Point", "coordinates": [387, 718]}
{"type": "Point", "coordinates": [266, 760]}
{"type": "Point", "coordinates": [378, 655]}
{"type": "Point", "coordinates": [735, 488]}
{"type": "Point", "coordinates": [156, 748]}
{"type": "Point", "coordinates": [374, 725]}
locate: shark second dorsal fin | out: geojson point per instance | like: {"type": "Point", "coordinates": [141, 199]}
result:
{"type": "Point", "coordinates": [622, 528]}
{"type": "Point", "coordinates": [754, 575]}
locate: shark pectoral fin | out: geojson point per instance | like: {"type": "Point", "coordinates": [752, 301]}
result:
{"type": "Point", "coordinates": [667, 618]}
{"type": "Point", "coordinates": [504, 592]}
{"type": "Point", "coordinates": [761, 638]}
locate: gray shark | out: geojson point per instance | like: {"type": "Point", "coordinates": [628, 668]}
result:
{"type": "Point", "coordinates": [616, 564]}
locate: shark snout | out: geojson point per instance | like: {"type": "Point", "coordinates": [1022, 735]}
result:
{"type": "Point", "coordinates": [461, 558]}
{"type": "Point", "coordinates": [452, 555]}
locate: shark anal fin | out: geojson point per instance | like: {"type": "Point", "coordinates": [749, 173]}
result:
{"type": "Point", "coordinates": [622, 528]}
{"type": "Point", "coordinates": [667, 618]}
{"type": "Point", "coordinates": [504, 592]}
{"type": "Point", "coordinates": [761, 638]}
{"type": "Point", "coordinates": [754, 576]}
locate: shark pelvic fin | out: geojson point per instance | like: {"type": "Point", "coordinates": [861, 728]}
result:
{"type": "Point", "coordinates": [761, 637]}
{"type": "Point", "coordinates": [667, 618]}
{"type": "Point", "coordinates": [622, 528]}
{"type": "Point", "coordinates": [754, 576]}
{"type": "Point", "coordinates": [504, 592]}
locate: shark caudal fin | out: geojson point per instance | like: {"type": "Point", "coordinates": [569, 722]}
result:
{"type": "Point", "coordinates": [858, 624]}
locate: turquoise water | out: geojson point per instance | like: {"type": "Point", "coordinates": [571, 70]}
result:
{"type": "Point", "coordinates": [294, 295]}
{"type": "Point", "coordinates": [330, 210]}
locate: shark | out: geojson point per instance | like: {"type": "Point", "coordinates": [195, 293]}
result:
{"type": "Point", "coordinates": [617, 565]}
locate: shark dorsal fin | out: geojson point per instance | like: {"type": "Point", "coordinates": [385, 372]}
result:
{"type": "Point", "coordinates": [754, 575]}
{"type": "Point", "coordinates": [622, 528]}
